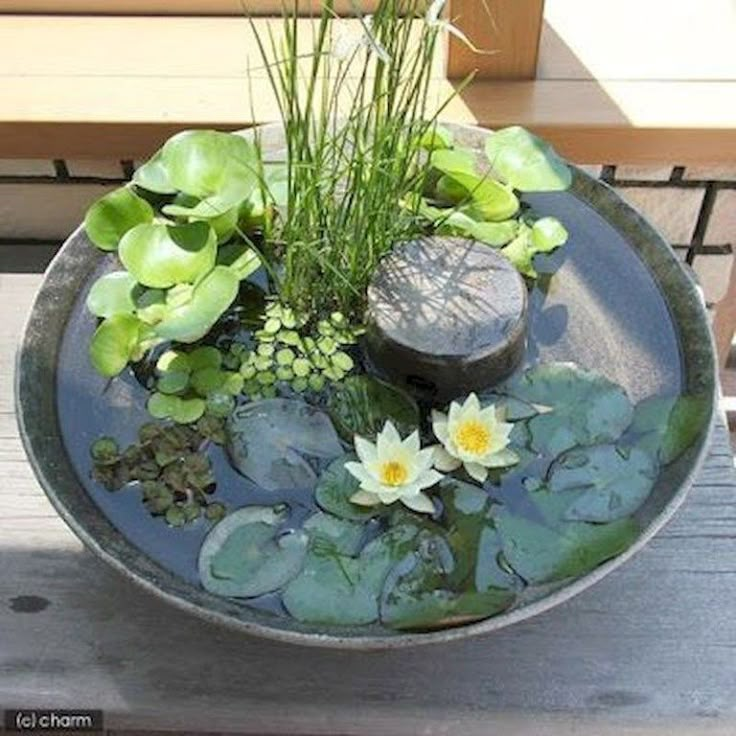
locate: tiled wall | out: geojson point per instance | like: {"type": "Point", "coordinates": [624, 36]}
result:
{"type": "Point", "coordinates": [695, 208]}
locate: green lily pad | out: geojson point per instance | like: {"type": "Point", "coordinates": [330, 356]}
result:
{"type": "Point", "coordinates": [553, 549]}
{"type": "Point", "coordinates": [244, 556]}
{"type": "Point", "coordinates": [544, 236]}
{"type": "Point", "coordinates": [112, 294]}
{"type": "Point", "coordinates": [455, 161]}
{"type": "Point", "coordinates": [362, 404]}
{"type": "Point", "coordinates": [160, 255]}
{"type": "Point", "coordinates": [325, 529]}
{"type": "Point", "coordinates": [209, 299]}
{"type": "Point", "coordinates": [583, 408]}
{"type": "Point", "coordinates": [526, 162]}
{"type": "Point", "coordinates": [189, 410]}
{"type": "Point", "coordinates": [113, 215]}
{"type": "Point", "coordinates": [114, 344]}
{"type": "Point", "coordinates": [607, 483]}
{"type": "Point", "coordinates": [436, 138]}
{"type": "Point", "coordinates": [153, 177]}
{"type": "Point", "coordinates": [268, 441]}
{"type": "Point", "coordinates": [334, 489]}
{"type": "Point", "coordinates": [490, 199]}
{"type": "Point", "coordinates": [203, 163]}
{"type": "Point", "coordinates": [240, 259]}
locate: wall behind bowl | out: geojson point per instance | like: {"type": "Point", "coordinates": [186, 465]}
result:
{"type": "Point", "coordinates": [42, 201]}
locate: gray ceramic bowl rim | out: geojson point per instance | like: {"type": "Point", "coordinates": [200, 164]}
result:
{"type": "Point", "coordinates": [35, 390]}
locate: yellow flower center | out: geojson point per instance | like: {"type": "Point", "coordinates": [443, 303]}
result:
{"type": "Point", "coordinates": [393, 473]}
{"type": "Point", "coordinates": [473, 437]}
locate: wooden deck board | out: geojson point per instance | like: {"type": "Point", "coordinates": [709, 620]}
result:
{"type": "Point", "coordinates": [649, 650]}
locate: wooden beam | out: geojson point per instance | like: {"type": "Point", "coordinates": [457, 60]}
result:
{"type": "Point", "coordinates": [506, 32]}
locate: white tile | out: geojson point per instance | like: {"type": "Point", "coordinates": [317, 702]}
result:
{"type": "Point", "coordinates": [722, 224]}
{"type": "Point", "coordinates": [713, 273]}
{"type": "Point", "coordinates": [99, 169]}
{"type": "Point", "coordinates": [674, 212]}
{"type": "Point", "coordinates": [45, 211]}
{"type": "Point", "coordinates": [26, 167]}
{"type": "Point", "coordinates": [643, 173]}
{"type": "Point", "coordinates": [710, 173]}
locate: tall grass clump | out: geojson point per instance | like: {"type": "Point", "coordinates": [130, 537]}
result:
{"type": "Point", "coordinates": [355, 108]}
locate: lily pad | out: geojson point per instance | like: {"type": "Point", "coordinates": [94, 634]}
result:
{"type": "Point", "coordinates": [112, 294]}
{"type": "Point", "coordinates": [194, 318]}
{"type": "Point", "coordinates": [153, 177]}
{"type": "Point", "coordinates": [362, 404]}
{"type": "Point", "coordinates": [454, 161]}
{"type": "Point", "coordinates": [245, 556]}
{"type": "Point", "coordinates": [114, 344]}
{"type": "Point", "coordinates": [609, 483]}
{"type": "Point", "coordinates": [544, 236]}
{"type": "Point", "coordinates": [553, 549]}
{"type": "Point", "coordinates": [334, 489]}
{"type": "Point", "coordinates": [113, 215]}
{"type": "Point", "coordinates": [490, 200]}
{"type": "Point", "coordinates": [526, 162]}
{"type": "Point", "coordinates": [240, 259]}
{"type": "Point", "coordinates": [325, 529]}
{"type": "Point", "coordinates": [581, 407]}
{"type": "Point", "coordinates": [269, 442]}
{"type": "Point", "coordinates": [203, 163]}
{"type": "Point", "coordinates": [160, 256]}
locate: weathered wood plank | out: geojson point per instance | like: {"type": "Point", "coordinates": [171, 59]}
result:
{"type": "Point", "coordinates": [649, 650]}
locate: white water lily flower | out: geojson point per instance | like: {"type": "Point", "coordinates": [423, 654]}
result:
{"type": "Point", "coordinates": [474, 437]}
{"type": "Point", "coordinates": [394, 470]}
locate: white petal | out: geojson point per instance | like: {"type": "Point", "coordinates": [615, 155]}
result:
{"type": "Point", "coordinates": [489, 414]}
{"type": "Point", "coordinates": [388, 439]}
{"type": "Point", "coordinates": [444, 461]}
{"type": "Point", "coordinates": [364, 498]}
{"type": "Point", "coordinates": [411, 443]}
{"type": "Point", "coordinates": [424, 459]}
{"type": "Point", "coordinates": [472, 403]}
{"type": "Point", "coordinates": [439, 426]}
{"type": "Point", "coordinates": [366, 450]}
{"type": "Point", "coordinates": [421, 503]}
{"type": "Point", "coordinates": [501, 459]}
{"type": "Point", "coordinates": [359, 471]}
{"type": "Point", "coordinates": [429, 479]}
{"type": "Point", "coordinates": [476, 471]}
{"type": "Point", "coordinates": [455, 412]}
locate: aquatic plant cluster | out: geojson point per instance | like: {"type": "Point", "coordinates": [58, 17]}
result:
{"type": "Point", "coordinates": [235, 290]}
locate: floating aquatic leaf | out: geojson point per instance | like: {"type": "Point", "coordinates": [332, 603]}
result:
{"type": "Point", "coordinates": [544, 236]}
{"type": "Point", "coordinates": [210, 298]}
{"type": "Point", "coordinates": [334, 489]}
{"type": "Point", "coordinates": [606, 483]}
{"type": "Point", "coordinates": [244, 555]}
{"type": "Point", "coordinates": [526, 162]}
{"type": "Point", "coordinates": [268, 441]}
{"type": "Point", "coordinates": [240, 259]}
{"type": "Point", "coordinates": [113, 215]}
{"type": "Point", "coordinates": [553, 549]}
{"type": "Point", "coordinates": [112, 294]}
{"type": "Point", "coordinates": [345, 536]}
{"type": "Point", "coordinates": [490, 200]}
{"type": "Point", "coordinates": [362, 405]}
{"type": "Point", "coordinates": [160, 256]}
{"type": "Point", "coordinates": [436, 138]}
{"type": "Point", "coordinates": [586, 408]}
{"type": "Point", "coordinates": [114, 343]}
{"type": "Point", "coordinates": [455, 161]}
{"type": "Point", "coordinates": [203, 163]}
{"type": "Point", "coordinates": [105, 451]}
{"type": "Point", "coordinates": [153, 176]}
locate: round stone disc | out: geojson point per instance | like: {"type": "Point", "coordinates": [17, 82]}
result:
{"type": "Point", "coordinates": [446, 316]}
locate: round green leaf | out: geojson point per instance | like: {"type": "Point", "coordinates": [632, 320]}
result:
{"type": "Point", "coordinates": [205, 356]}
{"type": "Point", "coordinates": [490, 199]}
{"type": "Point", "coordinates": [153, 176]}
{"type": "Point", "coordinates": [112, 294]}
{"type": "Point", "coordinates": [455, 161]}
{"type": "Point", "coordinates": [209, 300]}
{"type": "Point", "coordinates": [114, 343]}
{"type": "Point", "coordinates": [334, 489]}
{"type": "Point", "coordinates": [173, 382]}
{"type": "Point", "coordinates": [207, 380]}
{"type": "Point", "coordinates": [205, 162]}
{"type": "Point", "coordinates": [188, 410]}
{"type": "Point", "coordinates": [160, 255]}
{"type": "Point", "coordinates": [243, 556]}
{"type": "Point", "coordinates": [548, 233]}
{"type": "Point", "coordinates": [241, 260]}
{"type": "Point", "coordinates": [162, 406]}
{"type": "Point", "coordinates": [113, 215]}
{"type": "Point", "coordinates": [526, 162]}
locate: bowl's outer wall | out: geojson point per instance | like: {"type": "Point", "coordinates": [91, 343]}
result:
{"type": "Point", "coordinates": [39, 426]}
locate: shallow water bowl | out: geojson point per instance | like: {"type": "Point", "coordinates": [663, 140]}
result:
{"type": "Point", "coordinates": [614, 300]}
